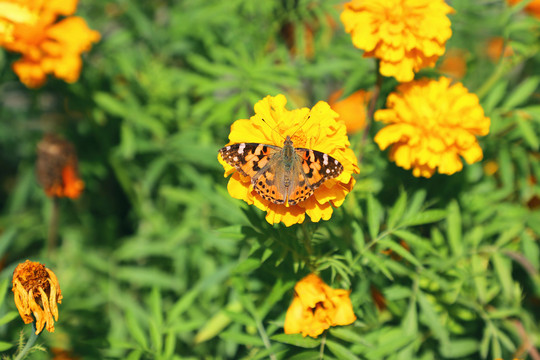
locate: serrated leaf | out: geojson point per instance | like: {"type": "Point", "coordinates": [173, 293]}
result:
{"type": "Point", "coordinates": [494, 96]}
{"type": "Point", "coordinates": [389, 343]}
{"type": "Point", "coordinates": [8, 317]}
{"type": "Point", "coordinates": [296, 340]}
{"type": "Point", "coordinates": [347, 334]}
{"type": "Point", "coordinates": [415, 241]}
{"type": "Point", "coordinates": [522, 93]}
{"type": "Point", "coordinates": [215, 325]}
{"type": "Point", "coordinates": [340, 351]}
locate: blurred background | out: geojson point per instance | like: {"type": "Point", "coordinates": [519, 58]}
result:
{"type": "Point", "coordinates": [156, 260]}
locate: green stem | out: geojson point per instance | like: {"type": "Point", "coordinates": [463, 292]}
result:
{"type": "Point", "coordinates": [323, 343]}
{"type": "Point", "coordinates": [53, 227]}
{"type": "Point", "coordinates": [265, 338]}
{"type": "Point", "coordinates": [371, 111]}
{"type": "Point", "coordinates": [307, 241]}
{"type": "Point", "coordinates": [30, 343]}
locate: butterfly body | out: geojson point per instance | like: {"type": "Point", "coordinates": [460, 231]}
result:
{"type": "Point", "coordinates": [282, 175]}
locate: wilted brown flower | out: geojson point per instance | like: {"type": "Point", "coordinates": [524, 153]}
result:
{"type": "Point", "coordinates": [36, 291]}
{"type": "Point", "coordinates": [57, 168]}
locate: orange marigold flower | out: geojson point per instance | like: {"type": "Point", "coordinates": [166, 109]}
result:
{"type": "Point", "coordinates": [37, 292]}
{"type": "Point", "coordinates": [454, 64]}
{"type": "Point", "coordinates": [47, 46]}
{"type": "Point", "coordinates": [430, 125]}
{"type": "Point", "coordinates": [316, 307]}
{"type": "Point", "coordinates": [532, 8]}
{"type": "Point", "coordinates": [496, 48]}
{"type": "Point", "coordinates": [352, 110]}
{"type": "Point", "coordinates": [308, 180]}
{"type": "Point", "coordinates": [406, 35]}
{"type": "Point", "coordinates": [57, 168]}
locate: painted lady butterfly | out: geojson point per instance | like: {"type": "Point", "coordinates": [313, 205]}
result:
{"type": "Point", "coordinates": [286, 175]}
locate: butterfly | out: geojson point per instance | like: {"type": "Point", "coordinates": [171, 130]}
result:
{"type": "Point", "coordinates": [282, 175]}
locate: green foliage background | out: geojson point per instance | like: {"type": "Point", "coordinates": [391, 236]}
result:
{"type": "Point", "coordinates": [157, 261]}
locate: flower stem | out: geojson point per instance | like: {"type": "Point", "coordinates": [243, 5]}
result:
{"type": "Point", "coordinates": [29, 344]}
{"type": "Point", "coordinates": [323, 343]}
{"type": "Point", "coordinates": [53, 227]}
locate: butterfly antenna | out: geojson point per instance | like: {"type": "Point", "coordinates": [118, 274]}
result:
{"type": "Point", "coordinates": [273, 129]}
{"type": "Point", "coordinates": [302, 124]}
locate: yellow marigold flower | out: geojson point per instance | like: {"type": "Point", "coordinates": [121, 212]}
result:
{"type": "Point", "coordinates": [406, 35]}
{"type": "Point", "coordinates": [57, 168]}
{"type": "Point", "coordinates": [316, 307]}
{"type": "Point", "coordinates": [316, 130]}
{"type": "Point", "coordinates": [352, 110]}
{"type": "Point", "coordinates": [532, 8]}
{"type": "Point", "coordinates": [47, 46]}
{"type": "Point", "coordinates": [37, 292]}
{"type": "Point", "coordinates": [430, 125]}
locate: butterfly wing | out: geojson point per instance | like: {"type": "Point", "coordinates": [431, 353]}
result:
{"type": "Point", "coordinates": [315, 168]}
{"type": "Point", "coordinates": [258, 162]}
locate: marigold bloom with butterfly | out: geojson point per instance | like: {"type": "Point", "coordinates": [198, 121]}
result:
{"type": "Point", "coordinates": [290, 163]}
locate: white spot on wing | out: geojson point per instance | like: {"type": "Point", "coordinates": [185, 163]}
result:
{"type": "Point", "coordinates": [228, 148]}
{"type": "Point", "coordinates": [235, 158]}
{"type": "Point", "coordinates": [325, 157]}
{"type": "Point", "coordinates": [241, 148]}
{"type": "Point", "coordinates": [336, 162]}
{"type": "Point", "coordinates": [328, 171]}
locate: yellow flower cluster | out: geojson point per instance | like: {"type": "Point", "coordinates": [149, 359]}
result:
{"type": "Point", "coordinates": [430, 125]}
{"type": "Point", "coordinates": [47, 46]}
{"type": "Point", "coordinates": [405, 35]}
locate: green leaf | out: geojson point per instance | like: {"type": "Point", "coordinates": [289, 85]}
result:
{"type": "Point", "coordinates": [425, 217]}
{"type": "Point", "coordinates": [415, 241]}
{"type": "Point", "coordinates": [454, 228]}
{"type": "Point", "coordinates": [240, 338]}
{"type": "Point", "coordinates": [389, 343]}
{"type": "Point", "coordinates": [373, 216]}
{"type": "Point", "coordinates": [378, 263]}
{"type": "Point", "coordinates": [8, 317]}
{"type": "Point", "coordinates": [528, 133]}
{"type": "Point", "coordinates": [494, 96]}
{"type": "Point", "coordinates": [503, 269]}
{"type": "Point", "coordinates": [340, 351]}
{"type": "Point", "coordinates": [136, 330]}
{"type": "Point", "coordinates": [397, 211]}
{"type": "Point", "coordinates": [296, 340]}
{"type": "Point", "coordinates": [432, 319]}
{"type": "Point", "coordinates": [347, 334]}
{"type": "Point", "coordinates": [401, 251]}
{"type": "Point", "coordinates": [307, 355]}
{"type": "Point", "coordinates": [3, 288]}
{"type": "Point", "coordinates": [215, 325]}
{"type": "Point", "coordinates": [460, 348]}
{"type": "Point", "coordinates": [5, 346]}
{"type": "Point", "coordinates": [522, 93]}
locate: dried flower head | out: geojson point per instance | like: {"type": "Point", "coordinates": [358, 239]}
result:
{"type": "Point", "coordinates": [430, 125]}
{"type": "Point", "coordinates": [57, 168]}
{"type": "Point", "coordinates": [406, 35]}
{"type": "Point", "coordinates": [47, 46]}
{"type": "Point", "coordinates": [290, 163]}
{"type": "Point", "coordinates": [37, 292]}
{"type": "Point", "coordinates": [352, 110]}
{"type": "Point", "coordinates": [316, 307]}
